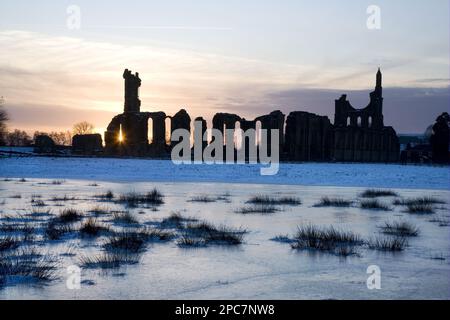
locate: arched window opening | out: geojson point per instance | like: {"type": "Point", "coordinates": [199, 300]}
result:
{"type": "Point", "coordinates": [168, 122]}
{"type": "Point", "coordinates": [121, 135]}
{"type": "Point", "coordinates": [237, 135]}
{"type": "Point", "coordinates": [150, 131]}
{"type": "Point", "coordinates": [258, 127]}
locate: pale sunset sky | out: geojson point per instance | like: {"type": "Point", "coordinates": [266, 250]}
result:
{"type": "Point", "coordinates": [247, 57]}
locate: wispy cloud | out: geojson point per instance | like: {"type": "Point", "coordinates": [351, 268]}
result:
{"type": "Point", "coordinates": [46, 76]}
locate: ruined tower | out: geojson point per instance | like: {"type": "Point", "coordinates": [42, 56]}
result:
{"type": "Point", "coordinates": [132, 84]}
{"type": "Point", "coordinates": [360, 134]}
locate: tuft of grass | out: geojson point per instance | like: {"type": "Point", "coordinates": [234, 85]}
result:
{"type": "Point", "coordinates": [124, 217]}
{"type": "Point", "coordinates": [16, 196]}
{"type": "Point", "coordinates": [156, 235]}
{"type": "Point", "coordinates": [420, 209]}
{"type": "Point", "coordinates": [54, 230]}
{"type": "Point", "coordinates": [69, 215]}
{"type": "Point", "coordinates": [133, 199]}
{"type": "Point", "coordinates": [63, 198]}
{"type": "Point", "coordinates": [376, 193]}
{"type": "Point", "coordinates": [35, 212]}
{"type": "Point", "coordinates": [98, 210]}
{"type": "Point", "coordinates": [126, 241]}
{"type": "Point", "coordinates": [190, 241]}
{"type": "Point", "coordinates": [175, 220]}
{"type": "Point", "coordinates": [91, 228]}
{"type": "Point", "coordinates": [418, 201]}
{"type": "Point", "coordinates": [268, 200]}
{"type": "Point", "coordinates": [388, 243]}
{"type": "Point", "coordinates": [37, 203]}
{"type": "Point", "coordinates": [333, 202]}
{"type": "Point", "coordinates": [203, 199]}
{"type": "Point", "coordinates": [282, 238]}
{"type": "Point", "coordinates": [27, 265]}
{"type": "Point", "coordinates": [210, 234]}
{"type": "Point", "coordinates": [402, 229]}
{"type": "Point", "coordinates": [374, 205]}
{"type": "Point", "coordinates": [441, 222]}
{"type": "Point", "coordinates": [258, 208]}
{"type": "Point", "coordinates": [108, 195]}
{"type": "Point", "coordinates": [329, 240]}
{"type": "Point", "coordinates": [8, 243]}
{"type": "Point", "coordinates": [109, 260]}
{"type": "Point", "coordinates": [58, 182]}
{"type": "Point", "coordinates": [22, 180]}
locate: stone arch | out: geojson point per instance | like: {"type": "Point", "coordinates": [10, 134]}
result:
{"type": "Point", "coordinates": [168, 121]}
{"type": "Point", "coordinates": [369, 122]}
{"type": "Point", "coordinates": [150, 130]}
{"type": "Point", "coordinates": [258, 128]}
{"type": "Point", "coordinates": [237, 135]}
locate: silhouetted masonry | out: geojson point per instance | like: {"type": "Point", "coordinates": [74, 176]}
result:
{"type": "Point", "coordinates": [357, 135]}
{"type": "Point", "coordinates": [87, 144]}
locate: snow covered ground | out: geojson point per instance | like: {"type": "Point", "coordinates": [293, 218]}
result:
{"type": "Point", "coordinates": [307, 174]}
{"type": "Point", "coordinates": [260, 268]}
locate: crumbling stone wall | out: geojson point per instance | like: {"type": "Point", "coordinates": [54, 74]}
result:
{"type": "Point", "coordinates": [308, 137]}
{"type": "Point", "coordinates": [87, 144]}
{"type": "Point", "coordinates": [356, 135]}
{"type": "Point", "coordinates": [360, 134]}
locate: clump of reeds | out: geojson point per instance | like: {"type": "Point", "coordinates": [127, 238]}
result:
{"type": "Point", "coordinates": [133, 199]}
{"type": "Point", "coordinates": [63, 198]}
{"type": "Point", "coordinates": [418, 201]}
{"type": "Point", "coordinates": [420, 209]}
{"type": "Point", "coordinates": [203, 199]}
{"type": "Point", "coordinates": [109, 260]}
{"type": "Point", "coordinates": [92, 228]}
{"type": "Point", "coordinates": [209, 234]}
{"type": "Point", "coordinates": [108, 195]}
{"type": "Point", "coordinates": [27, 265]}
{"type": "Point", "coordinates": [175, 220]}
{"type": "Point", "coordinates": [98, 210]}
{"type": "Point", "coordinates": [325, 239]}
{"type": "Point", "coordinates": [55, 230]}
{"type": "Point", "coordinates": [269, 200]}
{"type": "Point", "coordinates": [388, 243]}
{"type": "Point", "coordinates": [258, 208]}
{"type": "Point", "coordinates": [8, 243]}
{"type": "Point", "coordinates": [374, 205]}
{"type": "Point", "coordinates": [124, 217]}
{"type": "Point", "coordinates": [403, 229]}
{"type": "Point", "coordinates": [333, 202]}
{"type": "Point", "coordinates": [69, 215]}
{"type": "Point", "coordinates": [376, 193]}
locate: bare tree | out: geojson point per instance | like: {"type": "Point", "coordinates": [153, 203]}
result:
{"type": "Point", "coordinates": [18, 138]}
{"type": "Point", "coordinates": [3, 119]}
{"type": "Point", "coordinates": [63, 138]}
{"type": "Point", "coordinates": [83, 127]}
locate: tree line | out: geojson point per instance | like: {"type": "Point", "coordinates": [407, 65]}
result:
{"type": "Point", "coordinates": [20, 138]}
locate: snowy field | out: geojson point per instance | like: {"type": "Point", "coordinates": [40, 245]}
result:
{"type": "Point", "coordinates": [307, 174]}
{"type": "Point", "coordinates": [174, 261]}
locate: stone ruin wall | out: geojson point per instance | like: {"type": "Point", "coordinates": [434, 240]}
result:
{"type": "Point", "coordinates": [357, 135]}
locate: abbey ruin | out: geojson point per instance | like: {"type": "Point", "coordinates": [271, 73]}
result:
{"type": "Point", "coordinates": [357, 135]}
